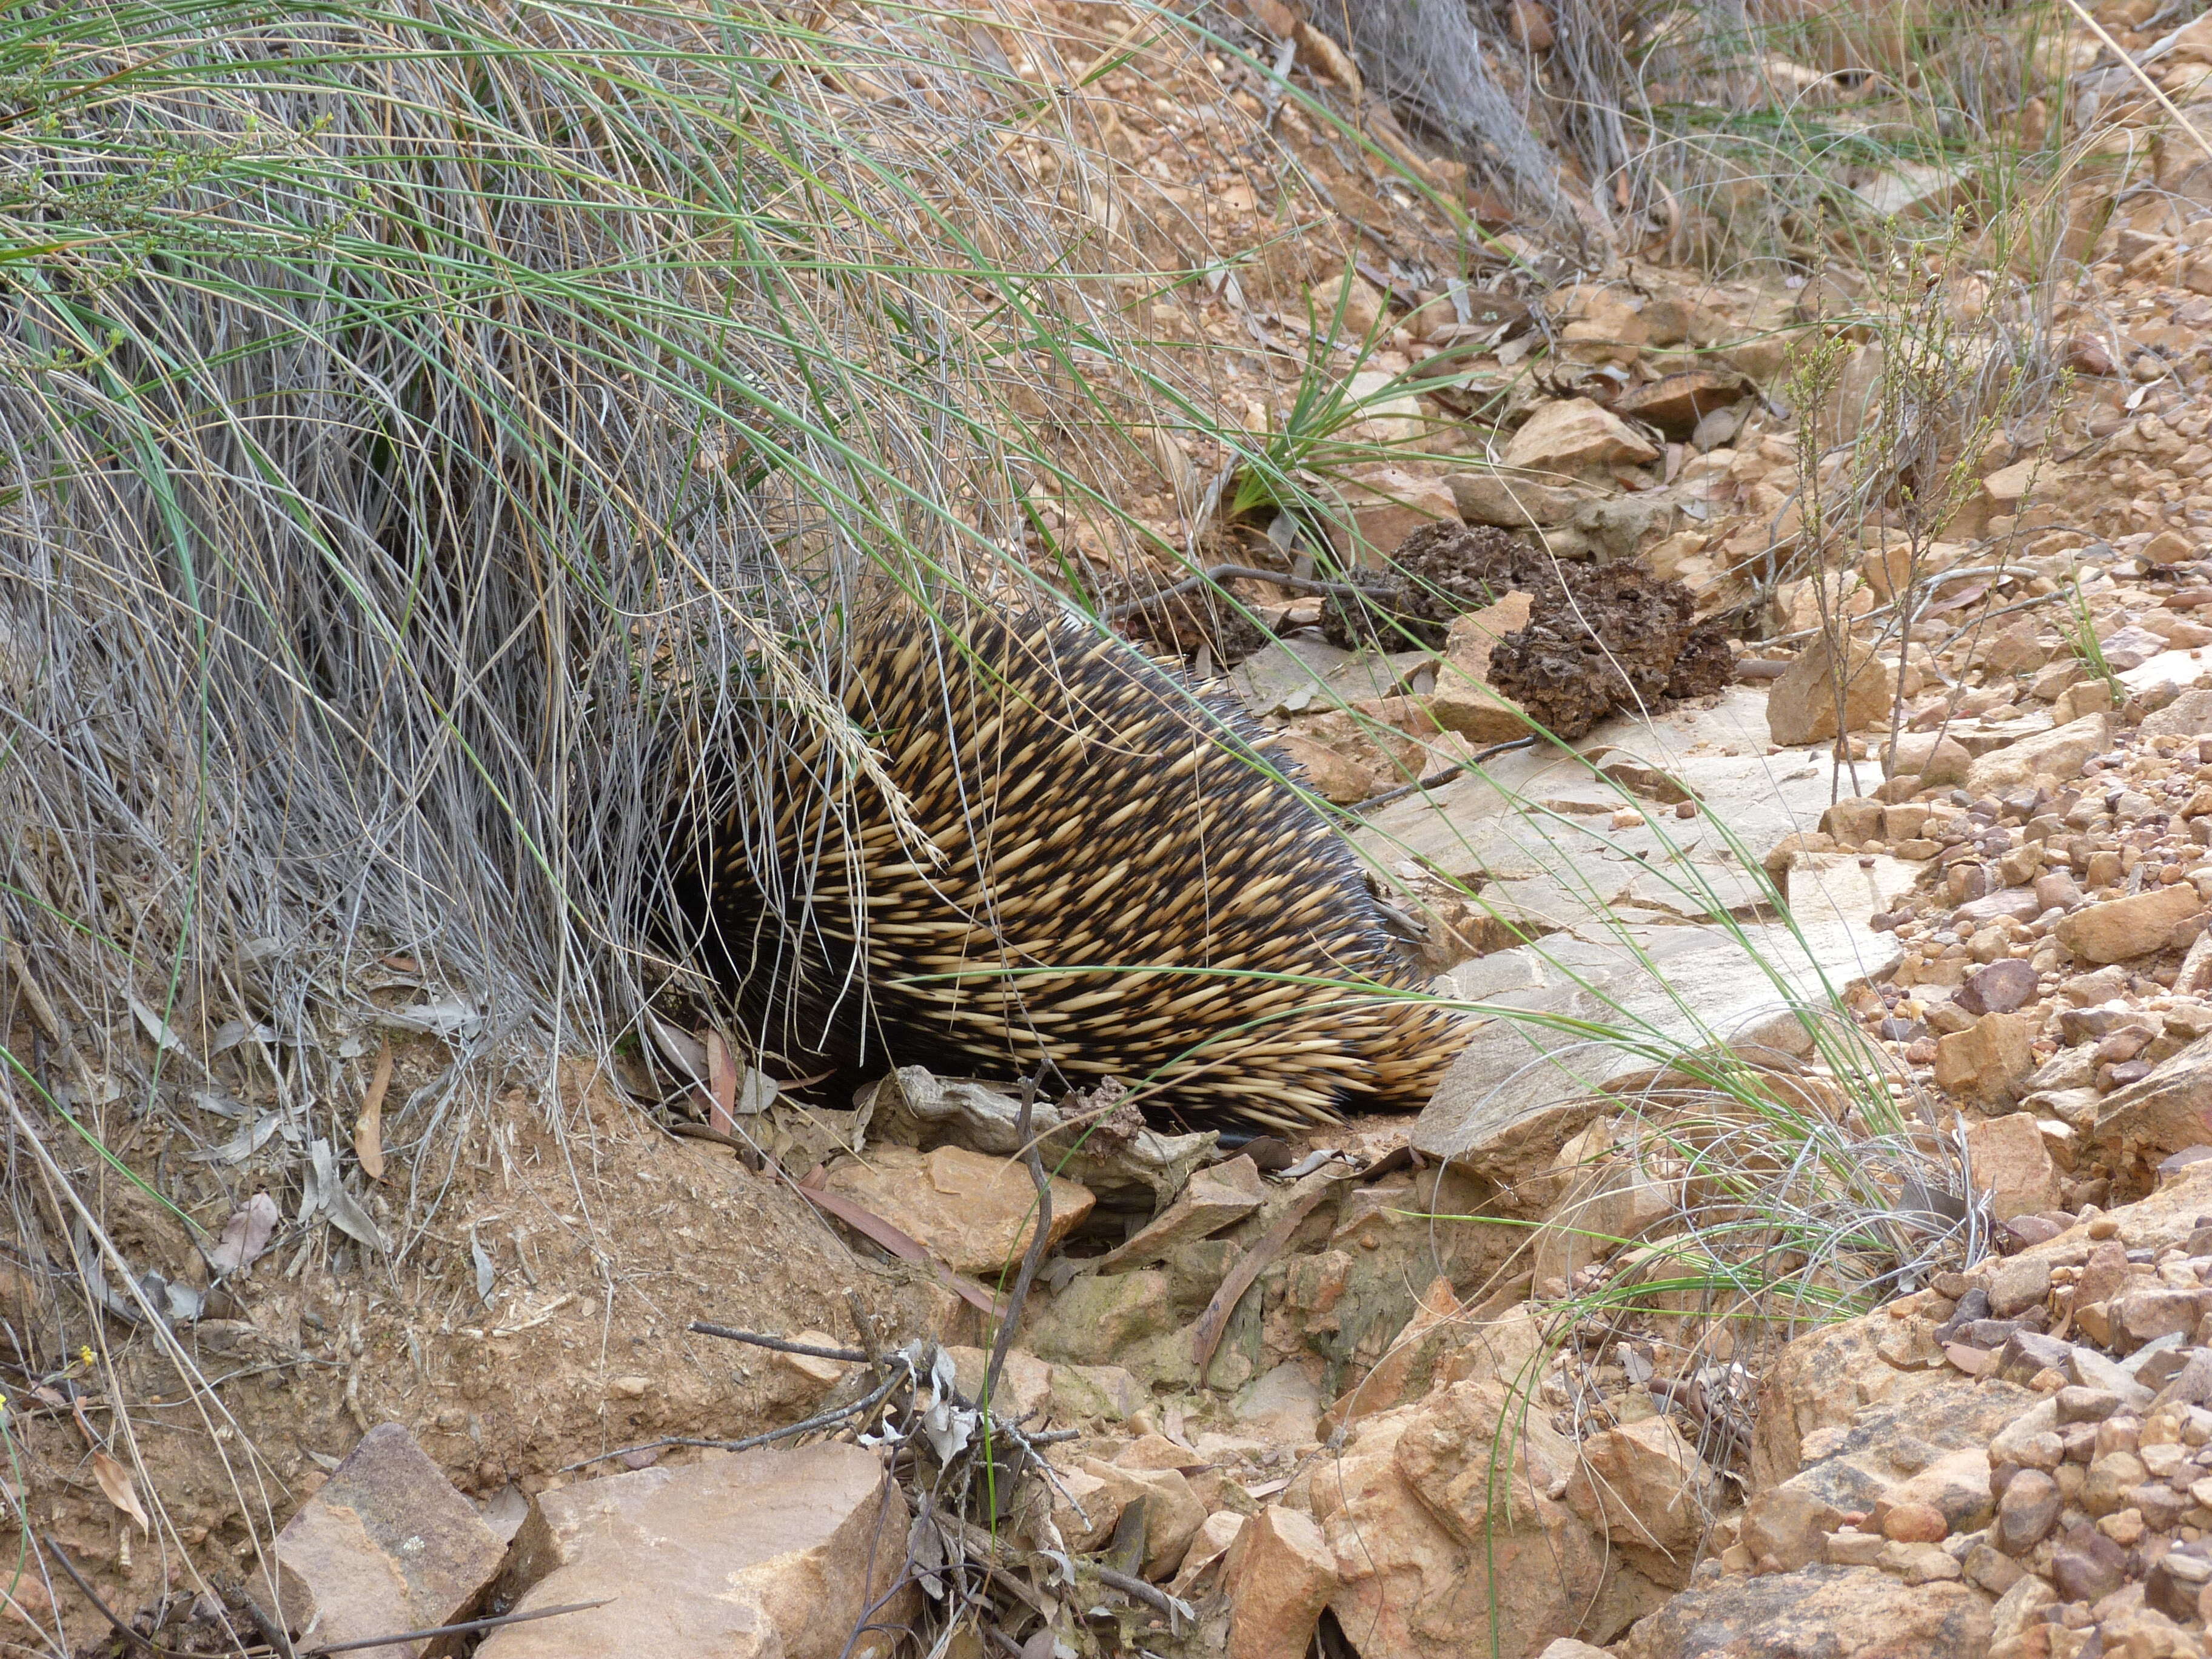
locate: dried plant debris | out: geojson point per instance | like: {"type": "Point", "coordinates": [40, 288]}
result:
{"type": "Point", "coordinates": [1439, 572]}
{"type": "Point", "coordinates": [1600, 637]}
{"type": "Point", "coordinates": [1192, 625]}
{"type": "Point", "coordinates": [1607, 637]}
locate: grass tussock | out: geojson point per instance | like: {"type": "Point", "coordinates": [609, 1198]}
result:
{"type": "Point", "coordinates": [402, 405]}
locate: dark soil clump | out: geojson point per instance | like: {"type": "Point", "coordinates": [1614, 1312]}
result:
{"type": "Point", "coordinates": [1600, 637]}
{"type": "Point", "coordinates": [1203, 620]}
{"type": "Point", "coordinates": [1439, 572]}
{"type": "Point", "coordinates": [1609, 636]}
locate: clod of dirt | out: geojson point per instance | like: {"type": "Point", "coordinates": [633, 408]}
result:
{"type": "Point", "coordinates": [1438, 572]}
{"type": "Point", "coordinates": [1186, 624]}
{"type": "Point", "coordinates": [1600, 637]}
{"type": "Point", "coordinates": [1608, 637]}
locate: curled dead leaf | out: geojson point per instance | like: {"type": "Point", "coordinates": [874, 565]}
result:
{"type": "Point", "coordinates": [368, 1128]}
{"type": "Point", "coordinates": [246, 1235]}
{"type": "Point", "coordinates": [721, 1082]}
{"type": "Point", "coordinates": [115, 1481]}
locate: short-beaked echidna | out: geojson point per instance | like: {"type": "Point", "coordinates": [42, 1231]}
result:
{"type": "Point", "coordinates": [1116, 879]}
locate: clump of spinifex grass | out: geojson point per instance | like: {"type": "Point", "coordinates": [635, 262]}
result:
{"type": "Point", "coordinates": [426, 427]}
{"type": "Point", "coordinates": [408, 409]}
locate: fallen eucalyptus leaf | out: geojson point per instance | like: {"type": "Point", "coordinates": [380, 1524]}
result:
{"type": "Point", "coordinates": [324, 1193]}
{"type": "Point", "coordinates": [368, 1128]}
{"type": "Point", "coordinates": [115, 1481]}
{"type": "Point", "coordinates": [247, 1139]}
{"type": "Point", "coordinates": [451, 1019]}
{"type": "Point", "coordinates": [156, 1028]}
{"type": "Point", "coordinates": [486, 1274]}
{"type": "Point", "coordinates": [246, 1235]}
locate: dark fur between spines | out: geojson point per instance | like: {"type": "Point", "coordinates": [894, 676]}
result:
{"type": "Point", "coordinates": [1109, 835]}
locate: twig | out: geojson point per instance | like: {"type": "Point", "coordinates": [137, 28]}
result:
{"type": "Point", "coordinates": [1150, 1595]}
{"type": "Point", "coordinates": [1215, 576]}
{"type": "Point", "coordinates": [101, 1607]}
{"type": "Point", "coordinates": [2128, 61]}
{"type": "Point", "coordinates": [1438, 779]}
{"type": "Point", "coordinates": [872, 1339]}
{"type": "Point", "coordinates": [1034, 1254]}
{"type": "Point", "coordinates": [273, 1630]}
{"type": "Point", "coordinates": [714, 1137]}
{"type": "Point", "coordinates": [986, 1549]}
{"type": "Point", "coordinates": [461, 1629]}
{"type": "Point", "coordinates": [1215, 1320]}
{"type": "Point", "coordinates": [851, 1356]}
{"type": "Point", "coordinates": [825, 1421]}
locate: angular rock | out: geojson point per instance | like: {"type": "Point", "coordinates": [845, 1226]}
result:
{"type": "Point", "coordinates": [1025, 1381]}
{"type": "Point", "coordinates": [2027, 1512]}
{"type": "Point", "coordinates": [1800, 706]}
{"type": "Point", "coordinates": [1645, 1486]}
{"type": "Point", "coordinates": [1384, 504]}
{"type": "Point", "coordinates": [1439, 1515]}
{"type": "Point", "coordinates": [2166, 1111]}
{"type": "Point", "coordinates": [811, 1376]}
{"type": "Point", "coordinates": [1104, 1391]}
{"type": "Point", "coordinates": [766, 1554]}
{"type": "Point", "coordinates": [1464, 700]}
{"type": "Point", "coordinates": [1602, 327]}
{"type": "Point", "coordinates": [2088, 1566]}
{"type": "Point", "coordinates": [1514, 503]}
{"type": "Point", "coordinates": [1348, 303]}
{"type": "Point", "coordinates": [1608, 1198]}
{"type": "Point", "coordinates": [1997, 988]}
{"type": "Point", "coordinates": [2122, 928]}
{"type": "Point", "coordinates": [1836, 1612]}
{"type": "Point", "coordinates": [1279, 1576]}
{"type": "Point", "coordinates": [2008, 1156]}
{"type": "Point", "coordinates": [1217, 1534]}
{"type": "Point", "coordinates": [1330, 773]}
{"type": "Point", "coordinates": [1173, 1514]}
{"type": "Point", "coordinates": [1936, 758]}
{"type": "Point", "coordinates": [1954, 1489]}
{"type": "Point", "coordinates": [1854, 819]}
{"type": "Point", "coordinates": [2145, 1315]}
{"type": "Point", "coordinates": [2174, 1585]}
{"type": "Point", "coordinates": [974, 1213]}
{"type": "Point", "coordinates": [385, 1544]}
{"type": "Point", "coordinates": [1095, 1320]}
{"type": "Point", "coordinates": [1989, 1061]}
{"type": "Point", "coordinates": [2028, 1354]}
{"type": "Point", "coordinates": [1214, 1198]}
{"type": "Point", "coordinates": [1282, 1405]}
{"type": "Point", "coordinates": [1863, 1431]}
{"type": "Point", "coordinates": [1521, 1088]}
{"type": "Point", "coordinates": [2019, 1283]}
{"type": "Point", "coordinates": [1079, 1510]}
{"type": "Point", "coordinates": [1676, 402]}
{"type": "Point", "coordinates": [1574, 435]}
{"type": "Point", "coordinates": [2113, 1477]}
{"type": "Point", "coordinates": [2059, 751]}
{"type": "Point", "coordinates": [2189, 715]}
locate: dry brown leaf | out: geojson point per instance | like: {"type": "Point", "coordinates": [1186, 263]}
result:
{"type": "Point", "coordinates": [899, 1243]}
{"type": "Point", "coordinates": [246, 1235]}
{"type": "Point", "coordinates": [722, 1081]}
{"type": "Point", "coordinates": [369, 1130]}
{"type": "Point", "coordinates": [115, 1481]}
